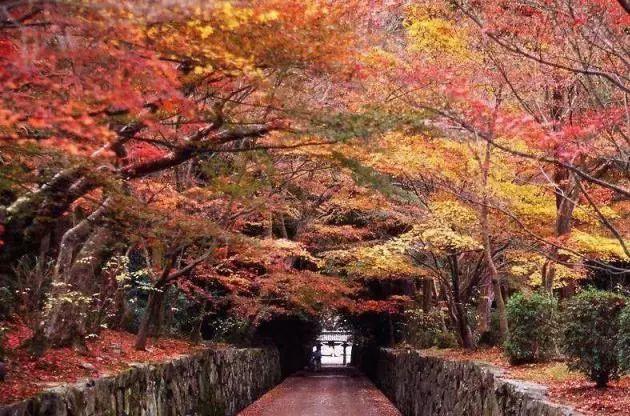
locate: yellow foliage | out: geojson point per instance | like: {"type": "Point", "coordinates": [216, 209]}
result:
{"type": "Point", "coordinates": [586, 215]}
{"type": "Point", "coordinates": [398, 153]}
{"type": "Point", "coordinates": [527, 268]}
{"type": "Point", "coordinates": [532, 203]}
{"type": "Point", "coordinates": [431, 33]}
{"type": "Point", "coordinates": [449, 228]}
{"type": "Point", "coordinates": [387, 260]}
{"type": "Point", "coordinates": [444, 231]}
{"type": "Point", "coordinates": [445, 240]}
{"type": "Point", "coordinates": [269, 16]}
{"type": "Point", "coordinates": [596, 245]}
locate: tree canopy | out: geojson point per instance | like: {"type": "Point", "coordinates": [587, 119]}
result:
{"type": "Point", "coordinates": [293, 158]}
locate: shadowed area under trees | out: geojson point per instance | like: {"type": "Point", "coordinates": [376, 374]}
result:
{"type": "Point", "coordinates": [431, 173]}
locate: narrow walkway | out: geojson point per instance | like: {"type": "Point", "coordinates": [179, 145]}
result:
{"type": "Point", "coordinates": [331, 392]}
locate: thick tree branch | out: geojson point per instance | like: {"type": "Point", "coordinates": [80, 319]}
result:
{"type": "Point", "coordinates": [75, 234]}
{"type": "Point", "coordinates": [205, 140]}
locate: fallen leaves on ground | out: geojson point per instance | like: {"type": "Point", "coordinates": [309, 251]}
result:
{"type": "Point", "coordinates": [109, 353]}
{"type": "Point", "coordinates": [564, 386]}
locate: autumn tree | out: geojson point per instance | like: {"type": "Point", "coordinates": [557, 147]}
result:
{"type": "Point", "coordinates": [124, 91]}
{"type": "Point", "coordinates": [290, 159]}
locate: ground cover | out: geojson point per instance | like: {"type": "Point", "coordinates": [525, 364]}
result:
{"type": "Point", "coordinates": [109, 353]}
{"type": "Point", "coordinates": [564, 386]}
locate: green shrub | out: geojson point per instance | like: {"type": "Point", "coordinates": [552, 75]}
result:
{"type": "Point", "coordinates": [231, 330]}
{"type": "Point", "coordinates": [425, 330]}
{"type": "Point", "coordinates": [533, 322]}
{"type": "Point", "coordinates": [592, 332]}
{"type": "Point", "coordinates": [491, 337]}
{"type": "Point", "coordinates": [623, 342]}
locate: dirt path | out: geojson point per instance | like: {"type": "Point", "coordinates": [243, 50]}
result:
{"type": "Point", "coordinates": [331, 392]}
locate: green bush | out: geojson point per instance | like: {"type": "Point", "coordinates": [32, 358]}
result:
{"type": "Point", "coordinates": [533, 322]}
{"type": "Point", "coordinates": [592, 333]}
{"type": "Point", "coordinates": [425, 330]}
{"type": "Point", "coordinates": [623, 342]}
{"type": "Point", "coordinates": [491, 337]}
{"type": "Point", "coordinates": [231, 330]}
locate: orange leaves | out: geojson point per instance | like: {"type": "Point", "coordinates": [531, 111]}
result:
{"type": "Point", "coordinates": [70, 92]}
{"type": "Point", "coordinates": [306, 291]}
{"type": "Point", "coordinates": [141, 62]}
{"type": "Point", "coordinates": [243, 38]}
{"type": "Point", "coordinates": [144, 151]}
{"type": "Point", "coordinates": [394, 305]}
{"type": "Point", "coordinates": [110, 353]}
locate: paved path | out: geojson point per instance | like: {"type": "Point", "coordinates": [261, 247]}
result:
{"type": "Point", "coordinates": [331, 392]}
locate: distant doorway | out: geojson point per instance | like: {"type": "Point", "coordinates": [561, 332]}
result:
{"type": "Point", "coordinates": [336, 347]}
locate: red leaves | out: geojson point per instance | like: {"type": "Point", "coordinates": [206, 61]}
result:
{"type": "Point", "coordinates": [590, 400]}
{"type": "Point", "coordinates": [7, 49]}
{"type": "Point", "coordinates": [111, 352]}
{"type": "Point", "coordinates": [394, 305]}
{"type": "Point", "coordinates": [59, 92]}
{"type": "Point", "coordinates": [144, 151]}
{"type": "Point", "coordinates": [565, 387]}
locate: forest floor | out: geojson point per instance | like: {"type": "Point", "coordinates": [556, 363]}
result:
{"type": "Point", "coordinates": [109, 353]}
{"type": "Point", "coordinates": [564, 386]}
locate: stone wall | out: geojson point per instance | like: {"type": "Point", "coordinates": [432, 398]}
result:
{"type": "Point", "coordinates": [209, 383]}
{"type": "Point", "coordinates": [430, 386]}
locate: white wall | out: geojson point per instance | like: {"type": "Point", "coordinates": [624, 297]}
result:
{"type": "Point", "coordinates": [334, 356]}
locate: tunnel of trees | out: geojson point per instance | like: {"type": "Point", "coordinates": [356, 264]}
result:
{"type": "Point", "coordinates": [238, 171]}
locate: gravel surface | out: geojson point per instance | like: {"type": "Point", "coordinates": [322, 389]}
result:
{"type": "Point", "coordinates": [330, 392]}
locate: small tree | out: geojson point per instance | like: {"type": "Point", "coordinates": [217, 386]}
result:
{"type": "Point", "coordinates": [533, 323]}
{"type": "Point", "coordinates": [592, 334]}
{"type": "Point", "coordinates": [623, 343]}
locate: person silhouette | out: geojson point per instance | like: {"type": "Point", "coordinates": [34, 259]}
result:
{"type": "Point", "coordinates": [317, 357]}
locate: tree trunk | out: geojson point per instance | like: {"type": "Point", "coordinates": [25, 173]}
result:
{"type": "Point", "coordinates": [505, 293]}
{"type": "Point", "coordinates": [444, 296]}
{"type": "Point", "coordinates": [152, 311]}
{"type": "Point", "coordinates": [269, 233]}
{"type": "Point", "coordinates": [462, 318]}
{"type": "Point", "coordinates": [427, 295]}
{"type": "Point", "coordinates": [566, 193]}
{"type": "Point", "coordinates": [501, 312]}
{"type": "Point", "coordinates": [156, 297]}
{"type": "Point", "coordinates": [602, 380]}
{"type": "Point", "coordinates": [196, 335]}
{"type": "Point", "coordinates": [66, 322]}
{"type": "Point", "coordinates": [283, 227]}
{"type": "Point", "coordinates": [31, 216]}
{"type": "Point", "coordinates": [75, 236]}
{"type": "Point", "coordinates": [493, 277]}
{"type": "Point", "coordinates": [483, 307]}
{"type": "Point", "coordinates": [568, 291]}
{"type": "Point", "coordinates": [162, 315]}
